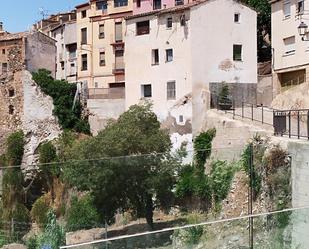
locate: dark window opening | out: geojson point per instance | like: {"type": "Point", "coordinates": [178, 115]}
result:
{"type": "Point", "coordinates": [4, 67]}
{"type": "Point", "coordinates": [171, 90]}
{"type": "Point", "coordinates": [169, 55]}
{"type": "Point", "coordinates": [300, 6]}
{"type": "Point", "coordinates": [169, 22]}
{"type": "Point", "coordinates": [101, 31]}
{"type": "Point", "coordinates": [236, 17]}
{"type": "Point", "coordinates": [237, 52]}
{"type": "Point", "coordinates": [120, 3]}
{"type": "Point", "coordinates": [142, 28]}
{"type": "Point", "coordinates": [146, 91]}
{"type": "Point", "coordinates": [3, 51]}
{"type": "Point", "coordinates": [84, 62]}
{"type": "Point", "coordinates": [84, 13]}
{"type": "Point", "coordinates": [84, 35]}
{"type": "Point", "coordinates": [11, 109]}
{"type": "Point", "coordinates": [179, 2]}
{"type": "Point", "coordinates": [138, 3]}
{"type": "Point", "coordinates": [102, 5]}
{"type": "Point", "coordinates": [156, 4]}
{"type": "Point", "coordinates": [183, 20]}
{"type": "Point", "coordinates": [155, 57]}
{"type": "Point", "coordinates": [102, 59]}
{"type": "Point", "coordinates": [11, 92]}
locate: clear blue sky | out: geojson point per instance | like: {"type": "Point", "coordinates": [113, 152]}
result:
{"type": "Point", "coordinates": [20, 14]}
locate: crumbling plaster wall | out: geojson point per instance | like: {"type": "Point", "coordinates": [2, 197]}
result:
{"type": "Point", "coordinates": [38, 122]}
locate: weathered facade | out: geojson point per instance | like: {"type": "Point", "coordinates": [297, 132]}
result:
{"type": "Point", "coordinates": [184, 50]}
{"type": "Point", "coordinates": [20, 52]}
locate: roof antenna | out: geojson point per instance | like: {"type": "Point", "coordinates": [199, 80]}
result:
{"type": "Point", "coordinates": [43, 12]}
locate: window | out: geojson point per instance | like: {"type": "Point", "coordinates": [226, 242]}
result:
{"type": "Point", "coordinates": [11, 109]}
{"type": "Point", "coordinates": [120, 3]}
{"type": "Point", "coordinates": [155, 57]}
{"type": "Point", "coordinates": [156, 4]}
{"type": "Point", "coordinates": [11, 92]}
{"type": "Point", "coordinates": [3, 51]}
{"type": "Point", "coordinates": [180, 118]}
{"type": "Point", "coordinates": [96, 84]}
{"type": "Point", "coordinates": [183, 20]}
{"type": "Point", "coordinates": [171, 90]}
{"type": "Point", "coordinates": [146, 91]}
{"type": "Point", "coordinates": [84, 35]}
{"type": "Point", "coordinates": [289, 44]}
{"type": "Point", "coordinates": [169, 22]}
{"type": "Point", "coordinates": [300, 6]}
{"type": "Point", "coordinates": [84, 62]}
{"type": "Point", "coordinates": [84, 13]}
{"type": "Point", "coordinates": [118, 31]}
{"type": "Point", "coordinates": [237, 18]}
{"type": "Point", "coordinates": [101, 31]}
{"type": "Point", "coordinates": [138, 3]}
{"type": "Point", "coordinates": [237, 52]}
{"type": "Point", "coordinates": [142, 28]}
{"type": "Point", "coordinates": [169, 55]}
{"type": "Point", "coordinates": [102, 59]}
{"type": "Point", "coordinates": [287, 8]}
{"type": "Point", "coordinates": [179, 2]}
{"type": "Point", "coordinates": [4, 67]}
{"type": "Point", "coordinates": [101, 5]}
{"type": "Point", "coordinates": [62, 65]}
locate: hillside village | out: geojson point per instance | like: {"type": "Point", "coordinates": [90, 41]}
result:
{"type": "Point", "coordinates": [156, 124]}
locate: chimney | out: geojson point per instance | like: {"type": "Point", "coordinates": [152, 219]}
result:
{"type": "Point", "coordinates": [1, 27]}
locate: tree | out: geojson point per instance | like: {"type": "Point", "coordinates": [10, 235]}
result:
{"type": "Point", "coordinates": [135, 171]}
{"type": "Point", "coordinates": [264, 27]}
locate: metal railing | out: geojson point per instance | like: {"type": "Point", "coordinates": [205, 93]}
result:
{"type": "Point", "coordinates": [290, 123]}
{"type": "Point", "coordinates": [106, 93]}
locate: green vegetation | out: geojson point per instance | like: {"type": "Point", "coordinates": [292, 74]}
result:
{"type": "Point", "coordinates": [121, 182]}
{"type": "Point", "coordinates": [82, 214]}
{"type": "Point", "coordinates": [63, 95]}
{"type": "Point", "coordinates": [52, 237]}
{"type": "Point", "coordinates": [40, 210]}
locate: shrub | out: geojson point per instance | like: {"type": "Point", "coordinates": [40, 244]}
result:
{"type": "Point", "coordinates": [221, 177]}
{"type": "Point", "coordinates": [40, 210]}
{"type": "Point", "coordinates": [15, 148]}
{"type": "Point", "coordinates": [202, 146]}
{"type": "Point", "coordinates": [63, 95]}
{"type": "Point", "coordinates": [48, 154]}
{"type": "Point", "coordinates": [82, 214]}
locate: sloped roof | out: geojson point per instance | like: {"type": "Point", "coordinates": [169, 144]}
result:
{"type": "Point", "coordinates": [15, 36]}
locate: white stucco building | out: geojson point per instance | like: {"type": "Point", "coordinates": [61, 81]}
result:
{"type": "Point", "coordinates": [290, 52]}
{"type": "Point", "coordinates": [65, 35]}
{"type": "Point", "coordinates": [175, 57]}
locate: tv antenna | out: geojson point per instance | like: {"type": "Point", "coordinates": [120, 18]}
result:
{"type": "Point", "coordinates": [43, 12]}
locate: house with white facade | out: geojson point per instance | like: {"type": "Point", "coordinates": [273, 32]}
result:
{"type": "Point", "coordinates": [290, 43]}
{"type": "Point", "coordinates": [176, 57]}
{"type": "Point", "coordinates": [65, 35]}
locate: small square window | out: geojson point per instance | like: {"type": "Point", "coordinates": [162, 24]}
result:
{"type": "Point", "coordinates": [142, 28]}
{"type": "Point", "coordinates": [237, 18]}
{"type": "Point", "coordinates": [169, 55]}
{"type": "Point", "coordinates": [169, 22]}
{"type": "Point", "coordinates": [146, 91]}
{"type": "Point", "coordinates": [3, 51]}
{"type": "Point", "coordinates": [84, 13]}
{"type": "Point", "coordinates": [237, 52]}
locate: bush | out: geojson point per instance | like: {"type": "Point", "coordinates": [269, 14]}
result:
{"type": "Point", "coordinates": [15, 148]}
{"type": "Point", "coordinates": [202, 146]}
{"type": "Point", "coordinates": [82, 214]}
{"type": "Point", "coordinates": [40, 210]}
{"type": "Point", "coordinates": [221, 177]}
{"type": "Point", "coordinates": [63, 95]}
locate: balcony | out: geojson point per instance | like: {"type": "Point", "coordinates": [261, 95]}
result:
{"type": "Point", "coordinates": [106, 93]}
{"type": "Point", "coordinates": [118, 68]}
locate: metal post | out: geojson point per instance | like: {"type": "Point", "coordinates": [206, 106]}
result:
{"type": "Point", "coordinates": [250, 198]}
{"type": "Point", "coordinates": [262, 114]}
{"type": "Point", "coordinates": [289, 124]}
{"type": "Point", "coordinates": [298, 125]}
{"type": "Point", "coordinates": [242, 109]}
{"type": "Point", "coordinates": [308, 124]}
{"type": "Point", "coordinates": [234, 109]}
{"type": "Point", "coordinates": [252, 112]}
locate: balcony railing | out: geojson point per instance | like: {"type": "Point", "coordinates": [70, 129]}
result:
{"type": "Point", "coordinates": [118, 68]}
{"type": "Point", "coordinates": [106, 93]}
